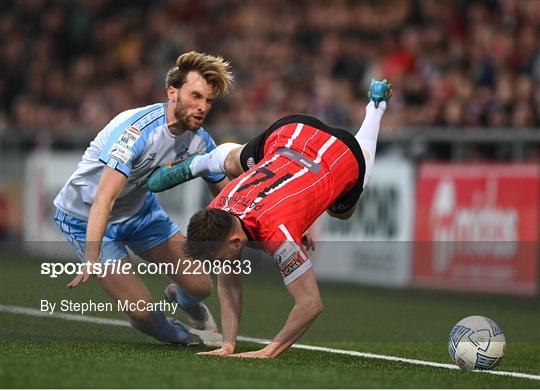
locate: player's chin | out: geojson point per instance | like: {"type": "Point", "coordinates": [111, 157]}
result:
{"type": "Point", "coordinates": [196, 122]}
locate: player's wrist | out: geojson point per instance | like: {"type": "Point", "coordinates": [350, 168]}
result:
{"type": "Point", "coordinates": [91, 259]}
{"type": "Point", "coordinates": [92, 253]}
{"type": "Point", "coordinates": [272, 349]}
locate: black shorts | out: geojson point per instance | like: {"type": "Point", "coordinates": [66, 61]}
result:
{"type": "Point", "coordinates": [253, 152]}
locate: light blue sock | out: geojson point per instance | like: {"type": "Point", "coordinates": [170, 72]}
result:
{"type": "Point", "coordinates": [189, 303]}
{"type": "Point", "coordinates": [161, 329]}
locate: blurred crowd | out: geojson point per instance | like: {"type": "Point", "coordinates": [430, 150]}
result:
{"type": "Point", "coordinates": [68, 67]}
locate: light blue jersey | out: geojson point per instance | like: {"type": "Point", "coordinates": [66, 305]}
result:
{"type": "Point", "coordinates": [134, 143]}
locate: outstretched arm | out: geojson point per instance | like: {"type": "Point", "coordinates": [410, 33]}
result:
{"type": "Point", "coordinates": [110, 186]}
{"type": "Point", "coordinates": [307, 306]}
{"type": "Point", "coordinates": [230, 302]}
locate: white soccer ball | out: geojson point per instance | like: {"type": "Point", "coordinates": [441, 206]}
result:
{"type": "Point", "coordinates": [476, 342]}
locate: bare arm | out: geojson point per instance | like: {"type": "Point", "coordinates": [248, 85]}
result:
{"type": "Point", "coordinates": [307, 306]}
{"type": "Point", "coordinates": [110, 186]}
{"type": "Point", "coordinates": [230, 302]}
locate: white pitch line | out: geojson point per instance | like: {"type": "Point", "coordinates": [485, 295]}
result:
{"type": "Point", "coordinates": [77, 318]}
{"type": "Point", "coordinates": [125, 323]}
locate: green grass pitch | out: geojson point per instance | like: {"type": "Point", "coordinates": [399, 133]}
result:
{"type": "Point", "coordinates": [53, 353]}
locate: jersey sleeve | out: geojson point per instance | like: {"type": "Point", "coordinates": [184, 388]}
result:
{"type": "Point", "coordinates": [124, 146]}
{"type": "Point", "coordinates": [288, 253]}
{"type": "Point", "coordinates": [126, 138]}
{"type": "Point", "coordinates": [210, 145]}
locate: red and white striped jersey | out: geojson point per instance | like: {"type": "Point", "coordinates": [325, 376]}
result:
{"type": "Point", "coordinates": [303, 170]}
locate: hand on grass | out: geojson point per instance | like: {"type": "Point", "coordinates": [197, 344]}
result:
{"type": "Point", "coordinates": [260, 354]}
{"type": "Point", "coordinates": [226, 350]}
{"type": "Point", "coordinates": [87, 271]}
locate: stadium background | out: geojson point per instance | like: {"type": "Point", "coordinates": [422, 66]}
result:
{"type": "Point", "coordinates": [454, 204]}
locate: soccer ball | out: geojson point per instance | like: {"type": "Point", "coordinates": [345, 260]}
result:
{"type": "Point", "coordinates": [476, 342]}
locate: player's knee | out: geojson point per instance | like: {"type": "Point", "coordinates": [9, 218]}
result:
{"type": "Point", "coordinates": [342, 216]}
{"type": "Point", "coordinates": [201, 288]}
{"type": "Point", "coordinates": [138, 318]}
{"type": "Point", "coordinates": [202, 291]}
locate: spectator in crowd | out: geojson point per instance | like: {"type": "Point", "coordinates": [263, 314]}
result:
{"type": "Point", "coordinates": [455, 63]}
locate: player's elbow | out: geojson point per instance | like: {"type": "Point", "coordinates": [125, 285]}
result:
{"type": "Point", "coordinates": [313, 307]}
{"type": "Point", "coordinates": [317, 308]}
{"type": "Point", "coordinates": [320, 307]}
{"type": "Point", "coordinates": [104, 200]}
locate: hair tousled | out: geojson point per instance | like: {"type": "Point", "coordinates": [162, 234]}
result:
{"type": "Point", "coordinates": [207, 230]}
{"type": "Point", "coordinates": [214, 69]}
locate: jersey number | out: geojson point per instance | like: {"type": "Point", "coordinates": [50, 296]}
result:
{"type": "Point", "coordinates": [266, 175]}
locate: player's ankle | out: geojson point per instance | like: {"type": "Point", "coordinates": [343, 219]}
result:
{"type": "Point", "coordinates": [371, 106]}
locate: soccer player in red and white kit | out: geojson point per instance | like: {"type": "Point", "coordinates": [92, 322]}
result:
{"type": "Point", "coordinates": [286, 178]}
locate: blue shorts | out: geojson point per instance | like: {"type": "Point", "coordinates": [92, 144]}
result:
{"type": "Point", "coordinates": [149, 227]}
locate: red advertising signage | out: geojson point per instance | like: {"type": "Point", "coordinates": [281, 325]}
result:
{"type": "Point", "coordinates": [477, 227]}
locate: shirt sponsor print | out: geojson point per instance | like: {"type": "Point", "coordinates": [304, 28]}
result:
{"type": "Point", "coordinates": [285, 253]}
{"type": "Point", "coordinates": [129, 137]}
{"type": "Point", "coordinates": [120, 153]}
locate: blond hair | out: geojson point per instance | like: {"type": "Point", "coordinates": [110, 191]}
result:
{"type": "Point", "coordinates": [215, 70]}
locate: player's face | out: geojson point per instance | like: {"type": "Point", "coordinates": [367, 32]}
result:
{"type": "Point", "coordinates": [227, 253]}
{"type": "Point", "coordinates": [231, 248]}
{"type": "Point", "coordinates": [193, 102]}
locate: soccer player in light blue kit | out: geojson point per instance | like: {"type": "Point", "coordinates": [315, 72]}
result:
{"type": "Point", "coordinates": [105, 205]}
